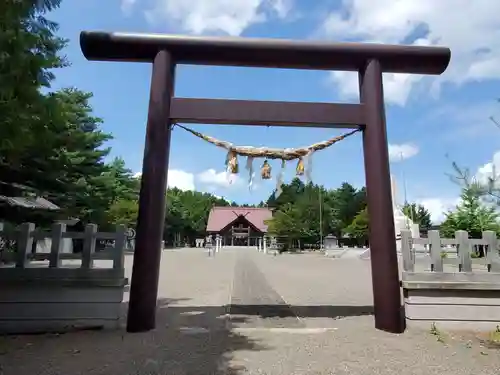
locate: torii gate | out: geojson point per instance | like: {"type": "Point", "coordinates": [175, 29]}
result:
{"type": "Point", "coordinates": [166, 51]}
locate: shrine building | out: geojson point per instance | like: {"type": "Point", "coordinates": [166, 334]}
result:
{"type": "Point", "coordinates": [238, 226]}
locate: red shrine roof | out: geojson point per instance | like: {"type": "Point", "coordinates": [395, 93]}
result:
{"type": "Point", "coordinates": [221, 217]}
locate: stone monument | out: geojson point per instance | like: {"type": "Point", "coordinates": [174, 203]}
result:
{"type": "Point", "coordinates": [401, 221]}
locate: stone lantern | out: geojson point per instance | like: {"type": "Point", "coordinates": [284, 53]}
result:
{"type": "Point", "coordinates": [330, 242]}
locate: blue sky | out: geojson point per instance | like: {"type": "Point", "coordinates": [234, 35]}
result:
{"type": "Point", "coordinates": [427, 117]}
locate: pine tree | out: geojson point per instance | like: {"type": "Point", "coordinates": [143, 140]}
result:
{"type": "Point", "coordinates": [49, 141]}
{"type": "Point", "coordinates": [29, 51]}
{"type": "Point", "coordinates": [418, 214]}
{"type": "Point", "coordinates": [471, 215]}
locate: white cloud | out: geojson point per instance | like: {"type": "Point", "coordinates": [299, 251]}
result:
{"type": "Point", "coordinates": [217, 16]}
{"type": "Point", "coordinates": [397, 87]}
{"type": "Point", "coordinates": [402, 152]}
{"type": "Point", "coordinates": [437, 207]}
{"type": "Point", "coordinates": [282, 7]}
{"type": "Point", "coordinates": [215, 179]}
{"type": "Point", "coordinates": [209, 180]}
{"type": "Point", "coordinates": [470, 28]}
{"type": "Point", "coordinates": [180, 179]}
{"type": "Point", "coordinates": [127, 6]}
{"type": "Point", "coordinates": [177, 178]}
{"type": "Point", "coordinates": [489, 170]}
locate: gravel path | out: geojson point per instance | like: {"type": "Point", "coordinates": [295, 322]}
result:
{"type": "Point", "coordinates": [289, 314]}
{"type": "Point", "coordinates": [255, 303]}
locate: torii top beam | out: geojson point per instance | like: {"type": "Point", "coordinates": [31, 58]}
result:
{"type": "Point", "coordinates": [270, 53]}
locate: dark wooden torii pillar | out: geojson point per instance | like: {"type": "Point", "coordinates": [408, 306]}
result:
{"type": "Point", "coordinates": [369, 60]}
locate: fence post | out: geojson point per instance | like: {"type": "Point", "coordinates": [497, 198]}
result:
{"type": "Point", "coordinates": [492, 253]}
{"type": "Point", "coordinates": [406, 251]}
{"type": "Point", "coordinates": [435, 249]}
{"type": "Point", "coordinates": [58, 230]}
{"type": "Point", "coordinates": [89, 238]}
{"type": "Point", "coordinates": [24, 244]}
{"type": "Point", "coordinates": [119, 250]}
{"type": "Point", "coordinates": [464, 251]}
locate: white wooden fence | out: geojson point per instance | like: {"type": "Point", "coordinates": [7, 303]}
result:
{"type": "Point", "coordinates": [41, 296]}
{"type": "Point", "coordinates": [457, 290]}
{"type": "Point", "coordinates": [460, 254]}
{"type": "Point", "coordinates": [26, 233]}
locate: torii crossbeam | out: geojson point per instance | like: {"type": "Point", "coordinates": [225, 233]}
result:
{"type": "Point", "coordinates": [166, 51]}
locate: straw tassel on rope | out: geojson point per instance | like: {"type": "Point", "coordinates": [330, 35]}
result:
{"type": "Point", "coordinates": [299, 170]}
{"type": "Point", "coordinates": [309, 167]}
{"type": "Point", "coordinates": [232, 162]}
{"type": "Point", "coordinates": [265, 170]}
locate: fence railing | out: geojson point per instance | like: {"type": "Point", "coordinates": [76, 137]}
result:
{"type": "Point", "coordinates": [60, 293]}
{"type": "Point", "coordinates": [456, 292]}
{"type": "Point", "coordinates": [455, 251]}
{"type": "Point", "coordinates": [25, 234]}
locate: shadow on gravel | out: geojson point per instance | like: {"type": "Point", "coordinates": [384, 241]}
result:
{"type": "Point", "coordinates": [283, 311]}
{"type": "Point", "coordinates": [188, 340]}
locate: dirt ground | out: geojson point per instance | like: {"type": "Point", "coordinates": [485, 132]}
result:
{"type": "Point", "coordinates": [244, 312]}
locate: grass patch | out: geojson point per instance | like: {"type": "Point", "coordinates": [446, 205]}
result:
{"type": "Point", "coordinates": [440, 337]}
{"type": "Point", "coordinates": [493, 341]}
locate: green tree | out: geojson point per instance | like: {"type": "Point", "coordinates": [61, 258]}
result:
{"type": "Point", "coordinates": [358, 228]}
{"type": "Point", "coordinates": [123, 211]}
{"type": "Point", "coordinates": [30, 52]}
{"type": "Point", "coordinates": [472, 216]}
{"type": "Point", "coordinates": [290, 194]}
{"type": "Point", "coordinates": [337, 208]}
{"type": "Point", "coordinates": [187, 214]}
{"type": "Point", "coordinates": [418, 214]}
{"type": "Point", "coordinates": [488, 188]}
{"type": "Point", "coordinates": [287, 223]}
{"type": "Point", "coordinates": [86, 185]}
{"type": "Point", "coordinates": [49, 142]}
{"type": "Point", "coordinates": [345, 203]}
{"type": "Point", "coordinates": [313, 205]}
{"type": "Point", "coordinates": [119, 181]}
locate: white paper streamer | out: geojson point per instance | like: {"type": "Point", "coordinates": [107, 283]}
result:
{"type": "Point", "coordinates": [279, 181]}
{"type": "Point", "coordinates": [228, 168]}
{"type": "Point", "coordinates": [308, 166]}
{"type": "Point", "coordinates": [251, 174]}
{"type": "Point", "coordinates": [228, 175]}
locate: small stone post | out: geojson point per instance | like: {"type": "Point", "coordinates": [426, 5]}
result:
{"type": "Point", "coordinates": [218, 243]}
